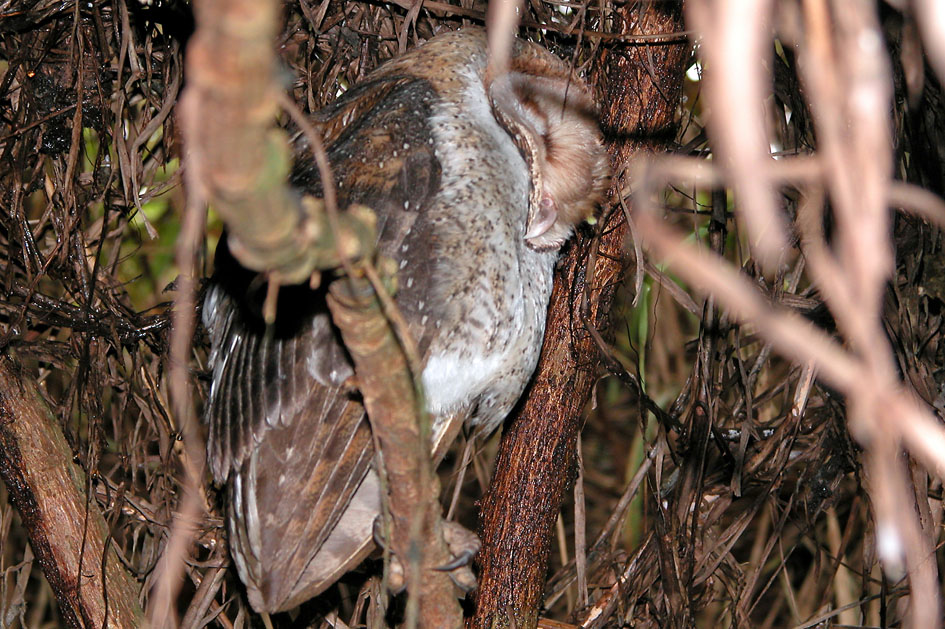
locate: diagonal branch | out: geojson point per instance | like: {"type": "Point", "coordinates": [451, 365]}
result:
{"type": "Point", "coordinates": [66, 529]}
{"type": "Point", "coordinates": [416, 537]}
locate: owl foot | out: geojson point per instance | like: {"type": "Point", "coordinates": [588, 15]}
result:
{"type": "Point", "coordinates": [463, 545]}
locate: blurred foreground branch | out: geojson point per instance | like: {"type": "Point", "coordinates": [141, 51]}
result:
{"type": "Point", "coordinates": [415, 536]}
{"type": "Point", "coordinates": [242, 160]}
{"type": "Point", "coordinates": [846, 72]}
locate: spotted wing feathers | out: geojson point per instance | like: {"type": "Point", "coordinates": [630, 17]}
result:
{"type": "Point", "coordinates": [283, 428]}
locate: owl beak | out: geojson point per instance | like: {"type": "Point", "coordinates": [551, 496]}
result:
{"type": "Point", "coordinates": [541, 217]}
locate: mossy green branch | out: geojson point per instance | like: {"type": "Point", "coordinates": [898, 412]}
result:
{"type": "Point", "coordinates": [242, 161]}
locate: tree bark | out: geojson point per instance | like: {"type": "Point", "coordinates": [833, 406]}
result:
{"type": "Point", "coordinates": [242, 161]}
{"type": "Point", "coordinates": [66, 529]}
{"type": "Point", "coordinates": [640, 86]}
{"type": "Point", "coordinates": [415, 534]}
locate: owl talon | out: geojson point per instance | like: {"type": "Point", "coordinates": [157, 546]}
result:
{"type": "Point", "coordinates": [464, 579]}
{"type": "Point", "coordinates": [463, 544]}
{"type": "Point", "coordinates": [462, 541]}
{"type": "Point", "coordinates": [457, 562]}
{"type": "Point", "coordinates": [396, 576]}
{"type": "Point", "coordinates": [396, 579]}
{"type": "Point", "coordinates": [377, 529]}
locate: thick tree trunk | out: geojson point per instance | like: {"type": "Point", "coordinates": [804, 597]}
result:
{"type": "Point", "coordinates": [640, 86]}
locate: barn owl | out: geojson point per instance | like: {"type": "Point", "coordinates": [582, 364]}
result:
{"type": "Point", "coordinates": [476, 181]}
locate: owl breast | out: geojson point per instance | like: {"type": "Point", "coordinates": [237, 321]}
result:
{"type": "Point", "coordinates": [489, 291]}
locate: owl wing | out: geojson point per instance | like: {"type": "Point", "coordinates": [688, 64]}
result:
{"type": "Point", "coordinates": [292, 440]}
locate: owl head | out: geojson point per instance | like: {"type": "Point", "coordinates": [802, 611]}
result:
{"type": "Point", "coordinates": [552, 119]}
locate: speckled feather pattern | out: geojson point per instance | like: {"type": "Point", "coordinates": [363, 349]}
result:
{"type": "Point", "coordinates": [418, 143]}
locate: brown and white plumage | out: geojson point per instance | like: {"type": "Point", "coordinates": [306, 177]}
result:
{"type": "Point", "coordinates": [460, 174]}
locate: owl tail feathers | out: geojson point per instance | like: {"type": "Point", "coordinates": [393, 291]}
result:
{"type": "Point", "coordinates": [278, 579]}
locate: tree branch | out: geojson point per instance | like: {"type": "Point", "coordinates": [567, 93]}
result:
{"type": "Point", "coordinates": [641, 86]}
{"type": "Point", "coordinates": [416, 534]}
{"type": "Point", "coordinates": [228, 112]}
{"type": "Point", "coordinates": [66, 529]}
